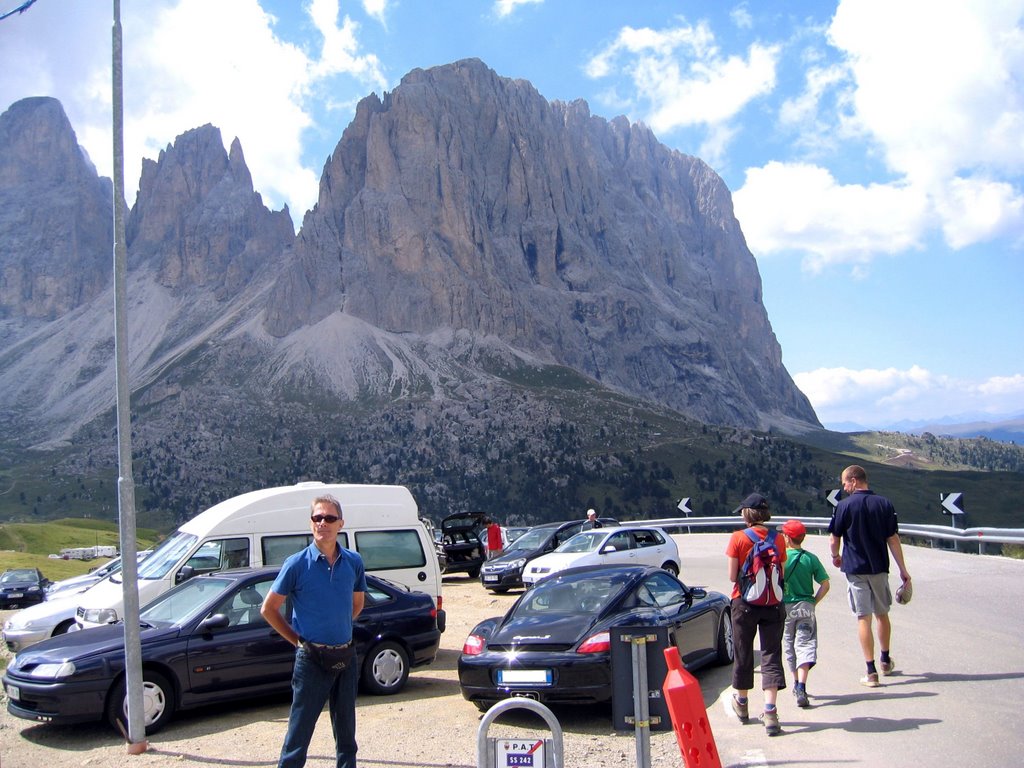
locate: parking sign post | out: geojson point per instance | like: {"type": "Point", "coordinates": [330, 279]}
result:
{"type": "Point", "coordinates": [524, 752]}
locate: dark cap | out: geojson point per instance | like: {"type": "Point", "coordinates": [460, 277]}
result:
{"type": "Point", "coordinates": [754, 501]}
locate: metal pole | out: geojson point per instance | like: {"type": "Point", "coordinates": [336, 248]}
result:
{"type": "Point", "coordinates": [136, 734]}
{"type": "Point", "coordinates": [641, 706]}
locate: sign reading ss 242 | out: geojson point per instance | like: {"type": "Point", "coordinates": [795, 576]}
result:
{"type": "Point", "coordinates": [511, 753]}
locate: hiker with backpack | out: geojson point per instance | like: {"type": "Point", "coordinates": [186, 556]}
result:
{"type": "Point", "coordinates": [800, 637]}
{"type": "Point", "coordinates": [756, 561]}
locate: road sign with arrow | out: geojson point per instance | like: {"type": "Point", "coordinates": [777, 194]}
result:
{"type": "Point", "coordinates": [952, 503]}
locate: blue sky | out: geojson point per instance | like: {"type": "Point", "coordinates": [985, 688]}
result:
{"type": "Point", "coordinates": [874, 148]}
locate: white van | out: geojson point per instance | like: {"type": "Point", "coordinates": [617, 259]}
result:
{"type": "Point", "coordinates": [264, 527]}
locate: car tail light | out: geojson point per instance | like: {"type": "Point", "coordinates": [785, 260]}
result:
{"type": "Point", "coordinates": [439, 602]}
{"type": "Point", "coordinates": [601, 642]}
{"type": "Point", "coordinates": [473, 646]}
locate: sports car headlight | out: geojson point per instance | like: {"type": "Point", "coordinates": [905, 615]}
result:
{"type": "Point", "coordinates": [99, 615]}
{"type": "Point", "coordinates": [53, 671]}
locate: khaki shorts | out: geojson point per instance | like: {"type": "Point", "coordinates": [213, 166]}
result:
{"type": "Point", "coordinates": [868, 593]}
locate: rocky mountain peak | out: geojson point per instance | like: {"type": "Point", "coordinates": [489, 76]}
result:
{"type": "Point", "coordinates": [463, 201]}
{"type": "Point", "coordinates": [198, 219]}
{"type": "Point", "coordinates": [56, 219]}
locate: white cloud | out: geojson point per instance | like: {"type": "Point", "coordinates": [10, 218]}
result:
{"type": "Point", "coordinates": [376, 9]}
{"type": "Point", "coordinates": [803, 208]}
{"type": "Point", "coordinates": [681, 77]}
{"type": "Point", "coordinates": [238, 76]}
{"type": "Point", "coordinates": [339, 54]}
{"type": "Point", "coordinates": [505, 8]}
{"type": "Point", "coordinates": [933, 89]}
{"type": "Point", "coordinates": [875, 398]}
{"type": "Point", "coordinates": [188, 63]}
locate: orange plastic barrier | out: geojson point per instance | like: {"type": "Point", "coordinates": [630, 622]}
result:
{"type": "Point", "coordinates": [689, 718]}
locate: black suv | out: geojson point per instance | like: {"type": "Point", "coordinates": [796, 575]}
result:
{"type": "Point", "coordinates": [463, 536]}
{"type": "Point", "coordinates": [505, 572]}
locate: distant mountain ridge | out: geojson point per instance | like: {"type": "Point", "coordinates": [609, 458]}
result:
{"type": "Point", "coordinates": [1005, 429]}
{"type": "Point", "coordinates": [488, 280]}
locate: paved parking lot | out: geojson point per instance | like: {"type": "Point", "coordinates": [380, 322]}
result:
{"type": "Point", "coordinates": [958, 699]}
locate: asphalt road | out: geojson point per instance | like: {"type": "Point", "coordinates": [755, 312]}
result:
{"type": "Point", "coordinates": [958, 700]}
{"type": "Point", "coordinates": [959, 647]}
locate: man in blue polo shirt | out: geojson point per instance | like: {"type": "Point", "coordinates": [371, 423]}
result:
{"type": "Point", "coordinates": [327, 587]}
{"type": "Point", "coordinates": [865, 524]}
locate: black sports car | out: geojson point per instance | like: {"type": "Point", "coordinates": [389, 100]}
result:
{"type": "Point", "coordinates": [554, 644]}
{"type": "Point", "coordinates": [205, 641]}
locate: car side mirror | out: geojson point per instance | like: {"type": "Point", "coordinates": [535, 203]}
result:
{"type": "Point", "coordinates": [609, 548]}
{"type": "Point", "coordinates": [698, 593]}
{"type": "Point", "coordinates": [217, 621]}
{"type": "Point", "coordinates": [186, 573]}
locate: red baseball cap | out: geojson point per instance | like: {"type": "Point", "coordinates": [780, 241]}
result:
{"type": "Point", "coordinates": [793, 528]}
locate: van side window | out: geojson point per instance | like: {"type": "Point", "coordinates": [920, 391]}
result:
{"type": "Point", "coordinates": [277, 549]}
{"type": "Point", "coordinates": [219, 554]}
{"type": "Point", "coordinates": [384, 550]}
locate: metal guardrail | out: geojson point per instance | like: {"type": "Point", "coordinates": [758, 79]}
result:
{"type": "Point", "coordinates": [934, 533]}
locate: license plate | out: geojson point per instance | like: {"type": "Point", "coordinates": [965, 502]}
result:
{"type": "Point", "coordinates": [488, 579]}
{"type": "Point", "coordinates": [14, 692]}
{"type": "Point", "coordinates": [15, 595]}
{"type": "Point", "coordinates": [524, 676]}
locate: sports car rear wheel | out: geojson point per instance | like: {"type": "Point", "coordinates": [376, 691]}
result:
{"type": "Point", "coordinates": [724, 646]}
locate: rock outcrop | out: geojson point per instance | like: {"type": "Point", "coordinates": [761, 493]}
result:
{"type": "Point", "coordinates": [470, 240]}
{"type": "Point", "coordinates": [56, 215]}
{"type": "Point", "coordinates": [464, 201]}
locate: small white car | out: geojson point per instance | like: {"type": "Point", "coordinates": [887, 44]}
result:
{"type": "Point", "coordinates": [623, 545]}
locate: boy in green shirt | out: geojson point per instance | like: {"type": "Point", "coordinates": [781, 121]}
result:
{"type": "Point", "coordinates": [800, 636]}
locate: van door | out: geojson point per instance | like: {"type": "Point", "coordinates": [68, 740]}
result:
{"type": "Point", "coordinates": [215, 555]}
{"type": "Point", "coordinates": [400, 555]}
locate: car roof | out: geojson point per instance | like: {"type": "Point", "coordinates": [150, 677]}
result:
{"type": "Point", "coordinates": [624, 572]}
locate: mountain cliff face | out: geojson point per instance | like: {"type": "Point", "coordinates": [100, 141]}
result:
{"type": "Point", "coordinates": [56, 220]}
{"type": "Point", "coordinates": [487, 278]}
{"type": "Point", "coordinates": [464, 200]}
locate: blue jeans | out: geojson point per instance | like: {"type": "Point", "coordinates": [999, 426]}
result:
{"type": "Point", "coordinates": [312, 686]}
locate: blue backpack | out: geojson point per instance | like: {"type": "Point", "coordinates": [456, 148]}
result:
{"type": "Point", "coordinates": [761, 575]}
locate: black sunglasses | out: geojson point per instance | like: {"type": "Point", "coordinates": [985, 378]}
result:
{"type": "Point", "coordinates": [325, 518]}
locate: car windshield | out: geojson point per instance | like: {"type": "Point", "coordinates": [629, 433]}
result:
{"type": "Point", "coordinates": [165, 556]}
{"type": "Point", "coordinates": [587, 541]}
{"type": "Point", "coordinates": [180, 604]}
{"type": "Point", "coordinates": [18, 576]}
{"type": "Point", "coordinates": [589, 594]}
{"type": "Point", "coordinates": [532, 539]}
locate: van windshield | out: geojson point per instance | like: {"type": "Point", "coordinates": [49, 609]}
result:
{"type": "Point", "coordinates": [166, 556]}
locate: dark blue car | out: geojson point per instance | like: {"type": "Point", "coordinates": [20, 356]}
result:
{"type": "Point", "coordinates": [554, 644]}
{"type": "Point", "coordinates": [205, 642]}
{"type": "Point", "coordinates": [20, 587]}
{"type": "Point", "coordinates": [505, 572]}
